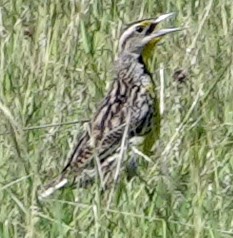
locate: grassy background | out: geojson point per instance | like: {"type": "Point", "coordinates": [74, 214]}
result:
{"type": "Point", "coordinates": [56, 61]}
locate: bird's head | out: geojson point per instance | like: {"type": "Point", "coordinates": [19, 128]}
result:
{"type": "Point", "coordinates": [141, 37]}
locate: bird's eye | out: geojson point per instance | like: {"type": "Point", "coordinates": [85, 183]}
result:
{"type": "Point", "coordinates": [139, 29]}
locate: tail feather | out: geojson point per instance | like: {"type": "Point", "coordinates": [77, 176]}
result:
{"type": "Point", "coordinates": [67, 179]}
{"type": "Point", "coordinates": [53, 188]}
{"type": "Point", "coordinates": [84, 178]}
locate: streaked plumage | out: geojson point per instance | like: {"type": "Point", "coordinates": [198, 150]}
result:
{"type": "Point", "coordinates": [129, 107]}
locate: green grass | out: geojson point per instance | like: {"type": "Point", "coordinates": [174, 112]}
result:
{"type": "Point", "coordinates": [56, 61]}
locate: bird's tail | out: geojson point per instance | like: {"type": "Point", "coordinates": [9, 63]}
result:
{"type": "Point", "coordinates": [68, 179]}
{"type": "Point", "coordinates": [53, 187]}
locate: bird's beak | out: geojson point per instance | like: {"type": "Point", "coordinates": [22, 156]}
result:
{"type": "Point", "coordinates": [163, 17]}
{"type": "Point", "coordinates": [162, 32]}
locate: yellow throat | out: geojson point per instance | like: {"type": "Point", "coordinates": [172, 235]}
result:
{"type": "Point", "coordinates": [148, 51]}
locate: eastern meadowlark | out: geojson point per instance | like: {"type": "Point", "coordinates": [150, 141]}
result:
{"type": "Point", "coordinates": [130, 111]}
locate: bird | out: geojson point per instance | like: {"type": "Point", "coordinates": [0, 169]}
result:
{"type": "Point", "coordinates": [129, 113]}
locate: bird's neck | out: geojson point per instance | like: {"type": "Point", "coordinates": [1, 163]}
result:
{"type": "Point", "coordinates": [128, 58]}
{"type": "Point", "coordinates": [145, 64]}
{"type": "Point", "coordinates": [148, 53]}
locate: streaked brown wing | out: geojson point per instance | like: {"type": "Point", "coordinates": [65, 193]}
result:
{"type": "Point", "coordinates": [122, 104]}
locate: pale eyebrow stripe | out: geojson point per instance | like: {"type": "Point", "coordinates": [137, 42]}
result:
{"type": "Point", "coordinates": [127, 28]}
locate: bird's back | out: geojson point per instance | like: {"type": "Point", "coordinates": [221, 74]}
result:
{"type": "Point", "coordinates": [131, 99]}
